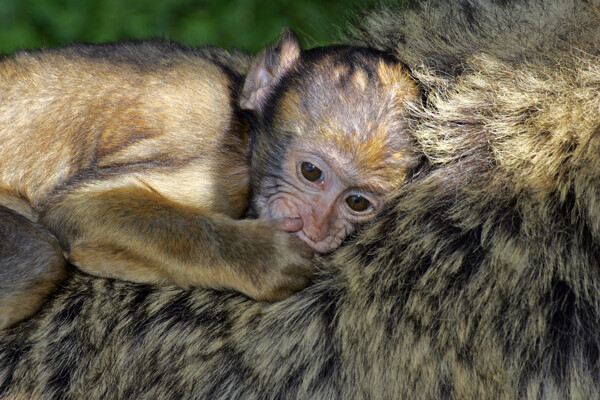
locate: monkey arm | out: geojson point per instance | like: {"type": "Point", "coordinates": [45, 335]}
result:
{"type": "Point", "coordinates": [136, 234]}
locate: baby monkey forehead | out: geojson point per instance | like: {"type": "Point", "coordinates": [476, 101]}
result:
{"type": "Point", "coordinates": [355, 92]}
{"type": "Point", "coordinates": [353, 72]}
{"type": "Point", "coordinates": [352, 107]}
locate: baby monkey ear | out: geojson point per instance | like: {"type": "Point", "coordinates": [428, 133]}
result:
{"type": "Point", "coordinates": [267, 70]}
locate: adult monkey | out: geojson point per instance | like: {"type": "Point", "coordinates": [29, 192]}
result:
{"type": "Point", "coordinates": [481, 281]}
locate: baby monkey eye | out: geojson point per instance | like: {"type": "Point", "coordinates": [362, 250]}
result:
{"type": "Point", "coordinates": [358, 203]}
{"type": "Point", "coordinates": [310, 172]}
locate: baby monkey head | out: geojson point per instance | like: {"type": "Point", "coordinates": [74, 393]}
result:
{"type": "Point", "coordinates": [330, 139]}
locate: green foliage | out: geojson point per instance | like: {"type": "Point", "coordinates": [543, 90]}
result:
{"type": "Point", "coordinates": [248, 24]}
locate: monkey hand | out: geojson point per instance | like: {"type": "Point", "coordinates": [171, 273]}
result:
{"type": "Point", "coordinates": [279, 263]}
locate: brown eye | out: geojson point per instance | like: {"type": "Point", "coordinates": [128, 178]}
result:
{"type": "Point", "coordinates": [310, 172]}
{"type": "Point", "coordinates": [358, 203]}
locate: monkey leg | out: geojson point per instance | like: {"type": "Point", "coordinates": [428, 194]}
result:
{"type": "Point", "coordinates": [136, 234]}
{"type": "Point", "coordinates": [31, 266]}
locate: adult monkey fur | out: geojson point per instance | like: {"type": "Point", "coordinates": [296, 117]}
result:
{"type": "Point", "coordinates": [143, 174]}
{"type": "Point", "coordinates": [481, 281]}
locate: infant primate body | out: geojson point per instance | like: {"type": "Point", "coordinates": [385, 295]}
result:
{"type": "Point", "coordinates": [139, 158]}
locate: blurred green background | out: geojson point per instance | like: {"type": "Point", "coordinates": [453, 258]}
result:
{"type": "Point", "coordinates": [247, 24]}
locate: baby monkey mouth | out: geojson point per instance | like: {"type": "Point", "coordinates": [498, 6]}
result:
{"type": "Point", "coordinates": [320, 246]}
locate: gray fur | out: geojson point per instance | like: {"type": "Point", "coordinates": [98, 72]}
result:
{"type": "Point", "coordinates": [483, 280]}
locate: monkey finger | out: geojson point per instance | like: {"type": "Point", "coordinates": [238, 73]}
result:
{"type": "Point", "coordinates": [305, 272]}
{"type": "Point", "coordinates": [301, 248]}
{"type": "Point", "coordinates": [289, 224]}
{"type": "Point", "coordinates": [302, 268]}
{"type": "Point", "coordinates": [290, 287]}
{"type": "Point", "coordinates": [281, 288]}
{"type": "Point", "coordinates": [298, 284]}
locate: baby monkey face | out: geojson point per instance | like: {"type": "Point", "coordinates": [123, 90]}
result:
{"type": "Point", "coordinates": [349, 147]}
{"type": "Point", "coordinates": [320, 200]}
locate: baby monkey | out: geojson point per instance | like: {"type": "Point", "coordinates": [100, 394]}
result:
{"type": "Point", "coordinates": [139, 159]}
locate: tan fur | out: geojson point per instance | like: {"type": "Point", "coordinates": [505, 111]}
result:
{"type": "Point", "coordinates": [18, 205]}
{"type": "Point", "coordinates": [124, 116]}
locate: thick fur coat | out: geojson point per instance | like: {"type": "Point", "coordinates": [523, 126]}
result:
{"type": "Point", "coordinates": [482, 280]}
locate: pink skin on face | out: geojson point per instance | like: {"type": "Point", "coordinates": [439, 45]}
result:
{"type": "Point", "coordinates": [311, 224]}
{"type": "Point", "coordinates": [314, 207]}
{"type": "Point", "coordinates": [314, 214]}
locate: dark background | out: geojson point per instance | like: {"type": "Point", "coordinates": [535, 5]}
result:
{"type": "Point", "coordinates": [247, 24]}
